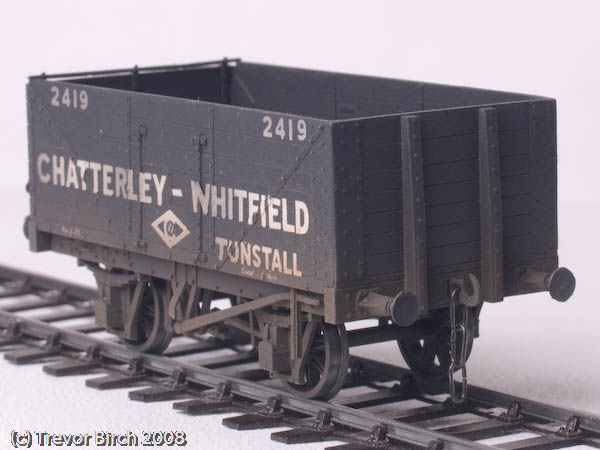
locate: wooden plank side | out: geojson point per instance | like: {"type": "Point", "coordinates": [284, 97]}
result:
{"type": "Point", "coordinates": [544, 178]}
{"type": "Point", "coordinates": [164, 145]}
{"type": "Point", "coordinates": [350, 201]}
{"type": "Point", "coordinates": [451, 190]}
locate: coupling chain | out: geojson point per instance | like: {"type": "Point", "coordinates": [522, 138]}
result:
{"type": "Point", "coordinates": [458, 349]}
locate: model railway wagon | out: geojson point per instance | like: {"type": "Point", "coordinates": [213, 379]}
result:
{"type": "Point", "coordinates": [308, 199]}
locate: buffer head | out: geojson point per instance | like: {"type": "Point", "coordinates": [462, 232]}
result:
{"type": "Point", "coordinates": [404, 309]}
{"type": "Point", "coordinates": [561, 284]}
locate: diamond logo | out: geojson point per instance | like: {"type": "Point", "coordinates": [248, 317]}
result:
{"type": "Point", "coordinates": [170, 229]}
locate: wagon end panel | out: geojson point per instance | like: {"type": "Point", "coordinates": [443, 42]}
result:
{"type": "Point", "coordinates": [379, 216]}
{"type": "Point", "coordinates": [490, 193]}
{"type": "Point", "coordinates": [111, 170]}
{"type": "Point", "coordinates": [73, 130]}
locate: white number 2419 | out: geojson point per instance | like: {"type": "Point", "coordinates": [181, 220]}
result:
{"type": "Point", "coordinates": [285, 129]}
{"type": "Point", "coordinates": [71, 98]}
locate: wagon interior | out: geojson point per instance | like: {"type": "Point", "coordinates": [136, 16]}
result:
{"type": "Point", "coordinates": [323, 95]}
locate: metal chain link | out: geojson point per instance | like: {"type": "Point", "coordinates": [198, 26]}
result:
{"type": "Point", "coordinates": [458, 360]}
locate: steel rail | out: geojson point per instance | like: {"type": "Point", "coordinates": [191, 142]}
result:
{"type": "Point", "coordinates": [36, 281]}
{"type": "Point", "coordinates": [533, 408]}
{"type": "Point", "coordinates": [346, 416]}
{"type": "Point", "coordinates": [339, 414]}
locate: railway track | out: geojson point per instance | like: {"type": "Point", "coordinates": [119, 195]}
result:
{"type": "Point", "coordinates": [380, 406]}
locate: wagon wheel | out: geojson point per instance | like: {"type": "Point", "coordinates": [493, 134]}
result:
{"type": "Point", "coordinates": [326, 364]}
{"type": "Point", "coordinates": [428, 357]}
{"type": "Point", "coordinates": [152, 337]}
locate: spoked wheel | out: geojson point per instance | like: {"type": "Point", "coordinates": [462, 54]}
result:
{"type": "Point", "coordinates": [326, 364]}
{"type": "Point", "coordinates": [428, 357]}
{"type": "Point", "coordinates": [152, 336]}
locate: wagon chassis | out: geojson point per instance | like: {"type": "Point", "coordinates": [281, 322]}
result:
{"type": "Point", "coordinates": [206, 386]}
{"type": "Point", "coordinates": [190, 313]}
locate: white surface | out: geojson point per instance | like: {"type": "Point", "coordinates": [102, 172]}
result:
{"type": "Point", "coordinates": [530, 345]}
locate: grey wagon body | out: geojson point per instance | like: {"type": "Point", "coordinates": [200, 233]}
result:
{"type": "Point", "coordinates": [380, 178]}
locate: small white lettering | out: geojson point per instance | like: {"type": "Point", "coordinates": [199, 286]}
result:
{"type": "Point", "coordinates": [253, 255]}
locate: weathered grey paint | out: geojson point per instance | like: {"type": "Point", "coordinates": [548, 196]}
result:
{"type": "Point", "coordinates": [207, 125]}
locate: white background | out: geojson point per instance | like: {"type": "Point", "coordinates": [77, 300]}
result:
{"type": "Point", "coordinates": [530, 345]}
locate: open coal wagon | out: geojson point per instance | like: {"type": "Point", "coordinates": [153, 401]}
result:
{"type": "Point", "coordinates": [308, 199]}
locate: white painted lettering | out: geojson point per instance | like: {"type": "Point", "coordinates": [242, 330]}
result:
{"type": "Point", "coordinates": [107, 180]}
{"type": "Point", "coordinates": [43, 158]}
{"type": "Point", "coordinates": [252, 206]}
{"type": "Point", "coordinates": [295, 270]}
{"type": "Point", "coordinates": [72, 175]}
{"type": "Point", "coordinates": [267, 252]}
{"type": "Point", "coordinates": [58, 170]}
{"type": "Point", "coordinates": [83, 166]}
{"type": "Point", "coordinates": [95, 168]}
{"type": "Point", "coordinates": [159, 184]}
{"type": "Point", "coordinates": [233, 251]}
{"type": "Point", "coordinates": [263, 211]}
{"type": "Point", "coordinates": [302, 218]}
{"type": "Point", "coordinates": [285, 226]}
{"type": "Point", "coordinates": [144, 181]}
{"type": "Point", "coordinates": [286, 269]}
{"type": "Point", "coordinates": [256, 261]}
{"type": "Point", "coordinates": [245, 250]}
{"type": "Point", "coordinates": [131, 195]}
{"type": "Point", "coordinates": [253, 255]}
{"type": "Point", "coordinates": [276, 264]}
{"type": "Point", "coordinates": [200, 196]}
{"type": "Point", "coordinates": [273, 206]}
{"type": "Point", "coordinates": [222, 243]}
{"type": "Point", "coordinates": [120, 182]}
{"type": "Point", "coordinates": [241, 195]}
{"type": "Point", "coordinates": [230, 203]}
{"type": "Point", "coordinates": [217, 201]}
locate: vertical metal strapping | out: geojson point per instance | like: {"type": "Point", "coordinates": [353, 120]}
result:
{"type": "Point", "coordinates": [200, 257]}
{"type": "Point", "coordinates": [335, 96]}
{"type": "Point", "coordinates": [211, 149]}
{"type": "Point", "coordinates": [361, 197]}
{"type": "Point", "coordinates": [33, 181]}
{"type": "Point", "coordinates": [225, 82]}
{"type": "Point", "coordinates": [490, 207]}
{"type": "Point", "coordinates": [130, 147]}
{"type": "Point", "coordinates": [135, 79]}
{"type": "Point", "coordinates": [413, 206]}
{"type": "Point", "coordinates": [295, 326]}
{"type": "Point", "coordinates": [136, 137]}
{"type": "Point", "coordinates": [141, 134]}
